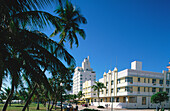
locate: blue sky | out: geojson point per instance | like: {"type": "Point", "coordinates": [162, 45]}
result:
{"type": "Point", "coordinates": [127, 29]}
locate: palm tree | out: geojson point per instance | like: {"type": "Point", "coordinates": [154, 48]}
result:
{"type": "Point", "coordinates": [70, 19]}
{"type": "Point", "coordinates": [98, 87]}
{"type": "Point", "coordinates": [27, 51]}
{"type": "Point", "coordinates": [80, 94]}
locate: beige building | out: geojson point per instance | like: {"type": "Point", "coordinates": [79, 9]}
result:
{"type": "Point", "coordinates": [89, 94]}
{"type": "Point", "coordinates": [133, 88]}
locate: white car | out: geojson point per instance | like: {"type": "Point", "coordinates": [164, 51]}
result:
{"type": "Point", "coordinates": [69, 106]}
{"type": "Point", "coordinates": [64, 105]}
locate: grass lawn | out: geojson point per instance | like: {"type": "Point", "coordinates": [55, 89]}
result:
{"type": "Point", "coordinates": [18, 107]}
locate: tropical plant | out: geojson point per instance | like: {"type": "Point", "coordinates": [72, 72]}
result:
{"type": "Point", "coordinates": [80, 94]}
{"type": "Point", "coordinates": [70, 19]}
{"type": "Point", "coordinates": [159, 97]}
{"type": "Point", "coordinates": [98, 87]}
{"type": "Point", "coordinates": [28, 51]}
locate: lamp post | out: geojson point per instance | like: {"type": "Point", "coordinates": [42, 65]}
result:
{"type": "Point", "coordinates": [61, 84]}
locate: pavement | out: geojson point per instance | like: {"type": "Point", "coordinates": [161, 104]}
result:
{"type": "Point", "coordinates": [80, 107]}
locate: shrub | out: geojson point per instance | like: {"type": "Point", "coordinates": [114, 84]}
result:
{"type": "Point", "coordinates": [100, 106]}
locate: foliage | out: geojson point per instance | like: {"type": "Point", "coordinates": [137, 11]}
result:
{"type": "Point", "coordinates": [98, 87]}
{"type": "Point", "coordinates": [80, 94]}
{"type": "Point", "coordinates": [159, 97]}
{"type": "Point", "coordinates": [70, 19]}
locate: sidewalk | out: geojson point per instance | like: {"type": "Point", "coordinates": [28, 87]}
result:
{"type": "Point", "coordinates": [80, 107]}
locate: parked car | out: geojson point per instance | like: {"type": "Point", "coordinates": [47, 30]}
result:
{"type": "Point", "coordinates": [64, 105]}
{"type": "Point", "coordinates": [69, 106]}
{"type": "Point", "coordinates": [59, 104]}
{"type": "Point", "coordinates": [85, 105]}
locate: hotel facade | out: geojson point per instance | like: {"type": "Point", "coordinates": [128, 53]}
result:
{"type": "Point", "coordinates": [83, 74]}
{"type": "Point", "coordinates": [132, 88]}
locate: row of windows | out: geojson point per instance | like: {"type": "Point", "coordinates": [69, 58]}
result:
{"type": "Point", "coordinates": [130, 79]}
{"type": "Point", "coordinates": [130, 89]}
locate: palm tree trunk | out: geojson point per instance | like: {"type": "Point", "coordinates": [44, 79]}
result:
{"type": "Point", "coordinates": [52, 106]}
{"type": "Point", "coordinates": [28, 108]}
{"type": "Point", "coordinates": [9, 98]}
{"type": "Point", "coordinates": [49, 104]}
{"type": "Point", "coordinates": [55, 105]}
{"type": "Point", "coordinates": [29, 98]}
{"type": "Point", "coordinates": [1, 70]}
{"type": "Point", "coordinates": [98, 98]}
{"type": "Point", "coordinates": [38, 102]}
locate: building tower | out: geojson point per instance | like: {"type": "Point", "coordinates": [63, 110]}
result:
{"type": "Point", "coordinates": [83, 74]}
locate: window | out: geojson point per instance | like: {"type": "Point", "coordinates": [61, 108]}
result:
{"type": "Point", "coordinates": [106, 91]}
{"type": "Point", "coordinates": [101, 100]}
{"type": "Point", "coordinates": [128, 89]}
{"type": "Point", "coordinates": [124, 99]}
{"type": "Point", "coordinates": [118, 81]}
{"type": "Point", "coordinates": [144, 80]}
{"type": "Point", "coordinates": [102, 91]}
{"type": "Point", "coordinates": [132, 99]}
{"type": "Point", "coordinates": [138, 79]}
{"type": "Point", "coordinates": [118, 89]}
{"type": "Point", "coordinates": [167, 90]}
{"type": "Point", "coordinates": [112, 90]}
{"type": "Point", "coordinates": [80, 78]}
{"type": "Point", "coordinates": [148, 80]}
{"type": "Point", "coordinates": [167, 82]}
{"type": "Point", "coordinates": [80, 75]}
{"type": "Point", "coordinates": [90, 75]}
{"type": "Point", "coordinates": [160, 89]}
{"type": "Point", "coordinates": [106, 83]}
{"type": "Point", "coordinates": [94, 100]}
{"type": "Point", "coordinates": [160, 81]}
{"type": "Point", "coordinates": [117, 99]}
{"type": "Point", "coordinates": [112, 82]}
{"type": "Point", "coordinates": [153, 81]}
{"type": "Point", "coordinates": [144, 89]}
{"type": "Point", "coordinates": [153, 89]}
{"type": "Point", "coordinates": [138, 89]}
{"type": "Point", "coordinates": [129, 79]}
{"type": "Point", "coordinates": [143, 100]}
{"type": "Point", "coordinates": [105, 99]}
{"type": "Point", "coordinates": [148, 89]}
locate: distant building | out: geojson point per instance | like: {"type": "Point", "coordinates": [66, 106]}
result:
{"type": "Point", "coordinates": [89, 93]}
{"type": "Point", "coordinates": [133, 88]}
{"type": "Point", "coordinates": [83, 74]}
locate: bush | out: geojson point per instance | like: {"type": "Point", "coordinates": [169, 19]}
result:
{"type": "Point", "coordinates": [162, 109]}
{"type": "Point", "coordinates": [100, 106]}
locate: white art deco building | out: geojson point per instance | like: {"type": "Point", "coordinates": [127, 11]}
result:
{"type": "Point", "coordinates": [83, 74]}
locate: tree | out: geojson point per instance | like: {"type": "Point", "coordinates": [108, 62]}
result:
{"type": "Point", "coordinates": [98, 87]}
{"type": "Point", "coordinates": [70, 19]}
{"type": "Point", "coordinates": [28, 51]}
{"type": "Point", "coordinates": [159, 97]}
{"type": "Point", "coordinates": [80, 94]}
